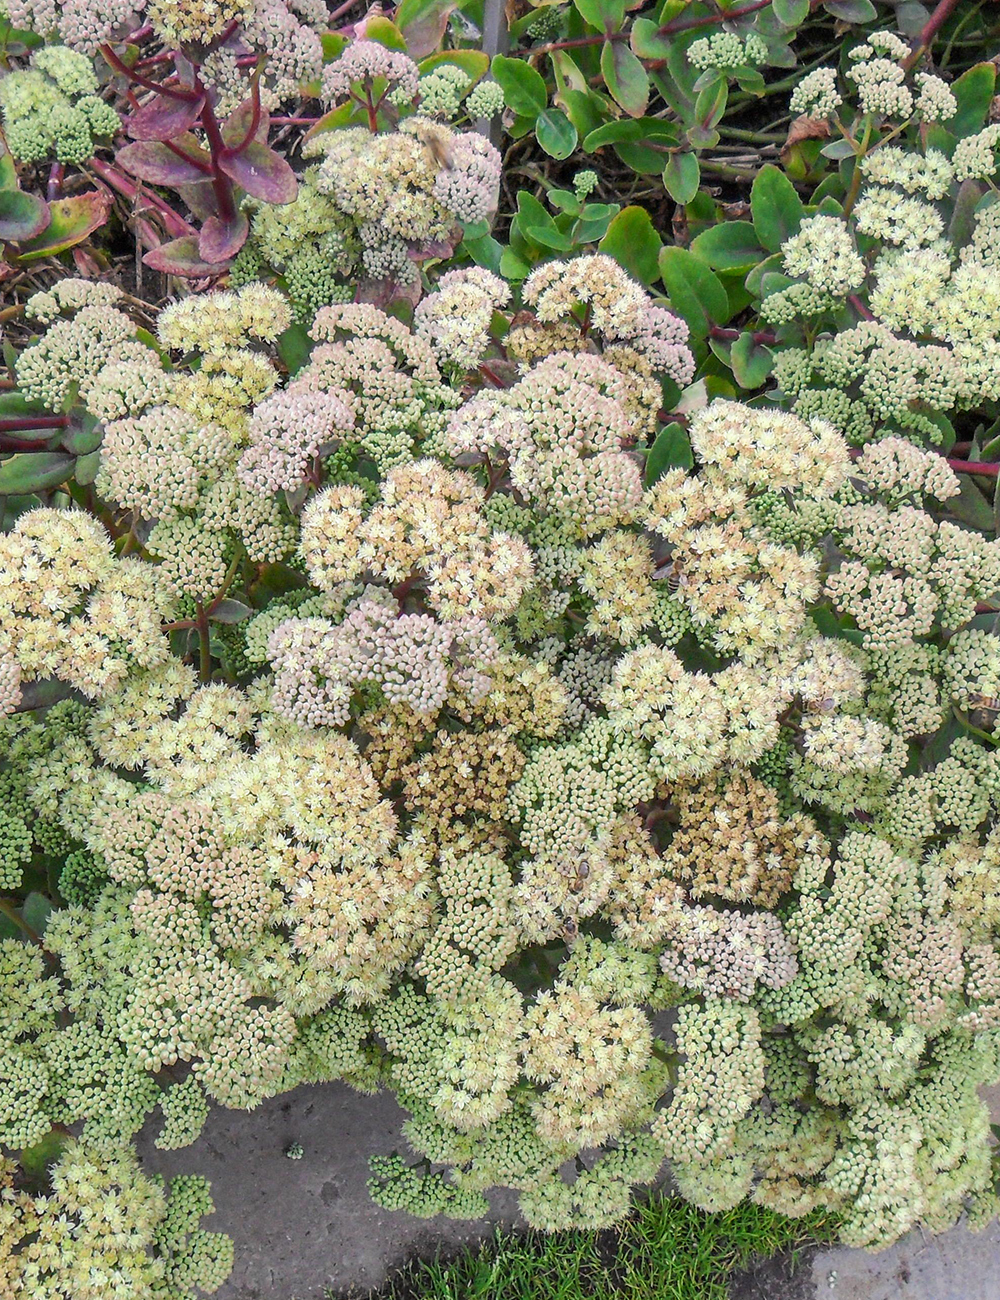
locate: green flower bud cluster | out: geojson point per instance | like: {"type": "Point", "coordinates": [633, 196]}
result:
{"type": "Point", "coordinates": [52, 109]}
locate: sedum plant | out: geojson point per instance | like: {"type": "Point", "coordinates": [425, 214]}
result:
{"type": "Point", "coordinates": [436, 729]}
{"type": "Point", "coordinates": [437, 678]}
{"type": "Point", "coordinates": [391, 186]}
{"type": "Point", "coordinates": [52, 108]}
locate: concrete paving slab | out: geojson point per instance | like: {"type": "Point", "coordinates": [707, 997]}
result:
{"type": "Point", "coordinates": [303, 1226]}
{"type": "Point", "coordinates": [958, 1265]}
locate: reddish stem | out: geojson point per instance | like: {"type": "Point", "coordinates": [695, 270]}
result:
{"type": "Point", "coordinates": [54, 188]}
{"type": "Point", "coordinates": [221, 184]}
{"type": "Point", "coordinates": [154, 60]}
{"type": "Point", "coordinates": [255, 114]}
{"type": "Point", "coordinates": [157, 87]}
{"type": "Point", "coordinates": [989, 468]}
{"type": "Point", "coordinates": [492, 376]}
{"type": "Point", "coordinates": [730, 335]}
{"type": "Point", "coordinates": [173, 223]}
{"type": "Point", "coordinates": [930, 29]}
{"type": "Point", "coordinates": [340, 11]}
{"type": "Point", "coordinates": [11, 423]}
{"type": "Point", "coordinates": [859, 307]}
{"type": "Point", "coordinates": [22, 444]}
{"type": "Point", "coordinates": [178, 152]}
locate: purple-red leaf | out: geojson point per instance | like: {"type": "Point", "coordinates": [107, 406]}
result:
{"type": "Point", "coordinates": [261, 172]}
{"type": "Point", "coordinates": [155, 162]}
{"type": "Point", "coordinates": [435, 248]}
{"type": "Point", "coordinates": [164, 118]}
{"type": "Point", "coordinates": [201, 198]}
{"type": "Point", "coordinates": [239, 122]}
{"type": "Point", "coordinates": [220, 240]}
{"type": "Point", "coordinates": [181, 257]}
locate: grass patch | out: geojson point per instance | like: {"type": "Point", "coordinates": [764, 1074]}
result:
{"type": "Point", "coordinates": [667, 1250]}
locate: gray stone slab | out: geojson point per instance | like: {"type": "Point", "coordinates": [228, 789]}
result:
{"type": "Point", "coordinates": [957, 1265]}
{"type": "Point", "coordinates": [303, 1226]}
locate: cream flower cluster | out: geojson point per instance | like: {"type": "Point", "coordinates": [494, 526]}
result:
{"type": "Point", "coordinates": [430, 746]}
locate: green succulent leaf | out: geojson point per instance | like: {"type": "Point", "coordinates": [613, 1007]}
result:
{"type": "Point", "coordinates": [34, 471]}
{"type": "Point", "coordinates": [670, 450]}
{"type": "Point", "coordinates": [556, 133]}
{"type": "Point", "coordinates": [694, 290]}
{"type": "Point", "coordinates": [750, 360]}
{"type": "Point", "coordinates": [634, 244]}
{"type": "Point", "coordinates": [605, 15]}
{"type": "Point", "coordinates": [776, 207]}
{"type": "Point", "coordinates": [682, 176]}
{"type": "Point", "coordinates": [625, 77]}
{"type": "Point", "coordinates": [729, 246]}
{"type": "Point", "coordinates": [974, 91]}
{"type": "Point", "coordinates": [523, 88]}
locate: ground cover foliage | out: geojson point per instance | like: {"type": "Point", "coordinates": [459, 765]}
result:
{"type": "Point", "coordinates": [538, 658]}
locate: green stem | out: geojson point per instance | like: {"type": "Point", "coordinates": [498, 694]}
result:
{"type": "Point", "coordinates": [860, 152]}
{"type": "Point", "coordinates": [12, 914]}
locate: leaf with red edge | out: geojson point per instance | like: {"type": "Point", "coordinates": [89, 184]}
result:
{"type": "Point", "coordinates": [155, 162]}
{"type": "Point", "coordinates": [164, 118]}
{"type": "Point", "coordinates": [22, 216]}
{"type": "Point", "coordinates": [181, 257]}
{"type": "Point", "coordinates": [220, 240]}
{"type": "Point", "coordinates": [261, 172]}
{"type": "Point", "coordinates": [239, 121]}
{"type": "Point", "coordinates": [72, 220]}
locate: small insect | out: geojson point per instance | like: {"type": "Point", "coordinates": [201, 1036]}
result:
{"type": "Point", "coordinates": [437, 140]}
{"type": "Point", "coordinates": [672, 573]}
{"type": "Point", "coordinates": [988, 703]}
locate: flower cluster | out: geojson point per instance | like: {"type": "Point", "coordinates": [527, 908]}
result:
{"type": "Point", "coordinates": [886, 316]}
{"type": "Point", "coordinates": [478, 742]}
{"type": "Point", "coordinates": [52, 109]}
{"type": "Point", "coordinates": [287, 32]}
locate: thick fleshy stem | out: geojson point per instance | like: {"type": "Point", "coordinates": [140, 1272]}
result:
{"type": "Point", "coordinates": [157, 87]}
{"type": "Point", "coordinates": [986, 468]}
{"type": "Point", "coordinates": [222, 186]}
{"type": "Point", "coordinates": [255, 113]}
{"type": "Point", "coordinates": [721, 333]}
{"type": "Point", "coordinates": [14, 422]}
{"type": "Point", "coordinates": [173, 222]}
